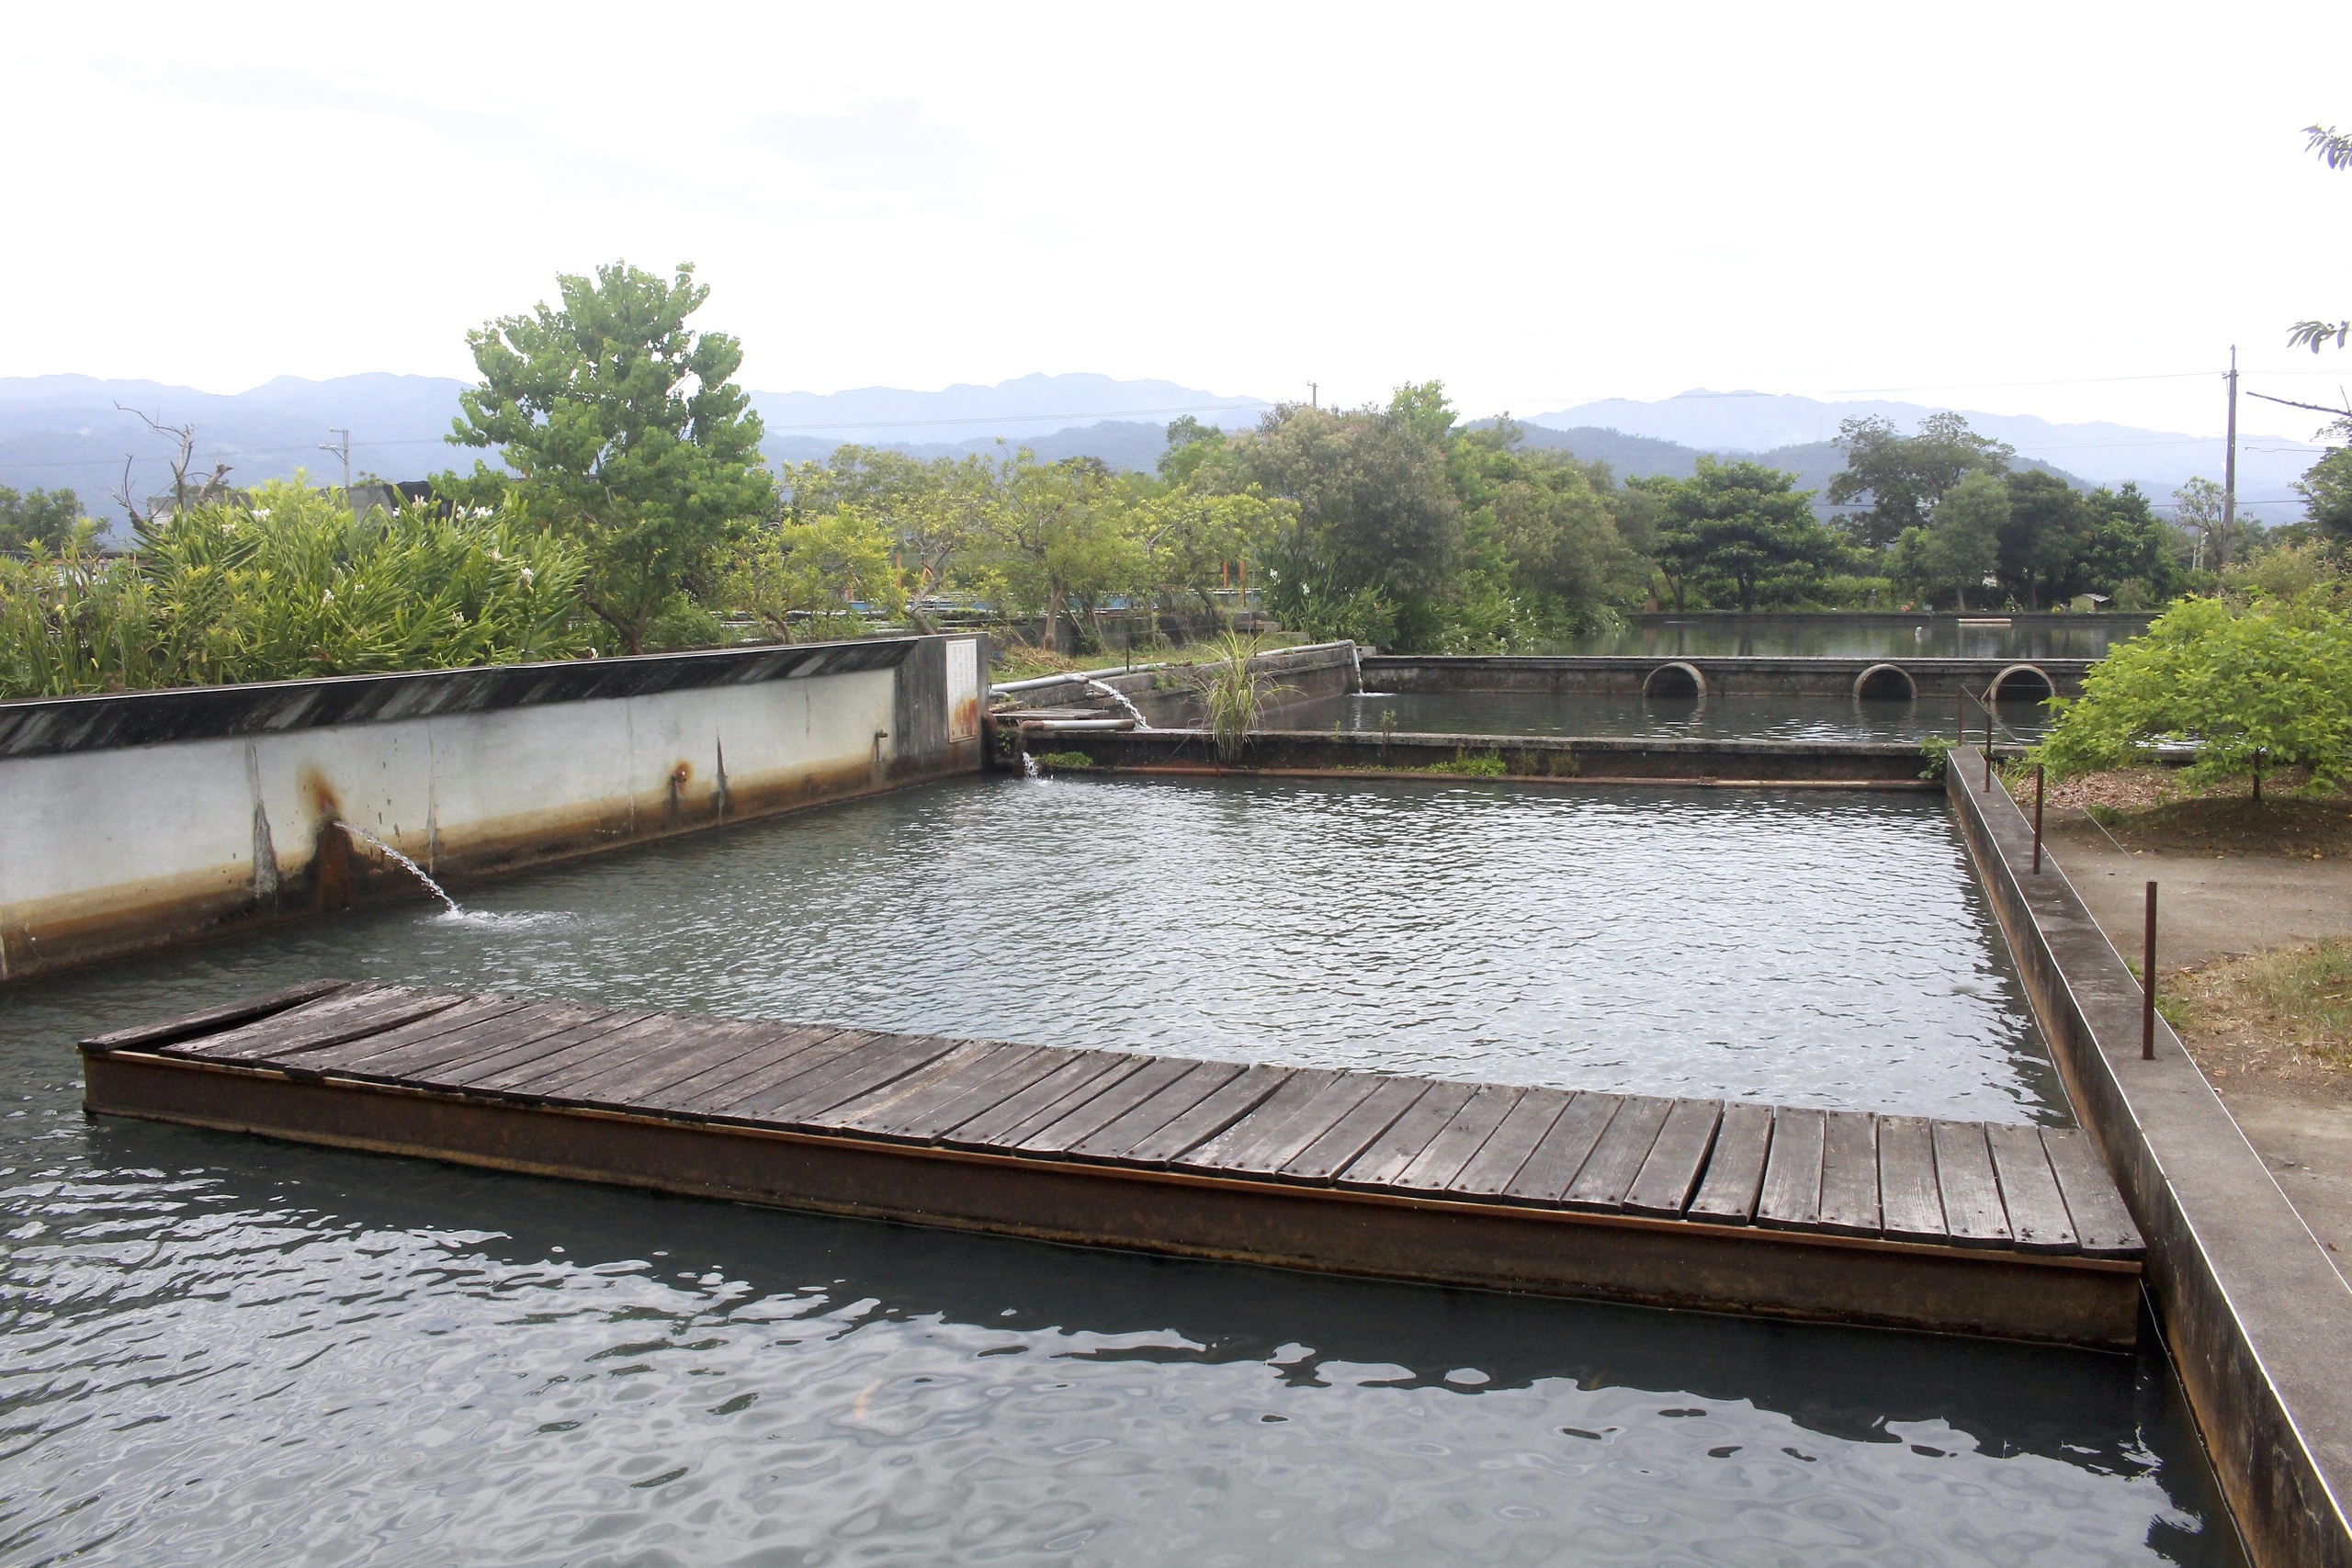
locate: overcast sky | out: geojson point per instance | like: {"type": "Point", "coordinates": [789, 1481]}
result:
{"type": "Point", "coordinates": [2066, 210]}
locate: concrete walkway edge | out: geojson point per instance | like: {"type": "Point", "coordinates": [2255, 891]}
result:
{"type": "Point", "coordinates": [2257, 1319]}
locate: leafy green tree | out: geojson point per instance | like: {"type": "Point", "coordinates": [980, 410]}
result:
{"type": "Point", "coordinates": [1061, 532]}
{"type": "Point", "coordinates": [1961, 545]}
{"type": "Point", "coordinates": [43, 517]}
{"type": "Point", "coordinates": [1187, 536]}
{"type": "Point", "coordinates": [936, 513]}
{"type": "Point", "coordinates": [2047, 529]}
{"type": "Point", "coordinates": [2327, 488]}
{"type": "Point", "coordinates": [1748, 527]}
{"type": "Point", "coordinates": [2128, 553]}
{"type": "Point", "coordinates": [816, 576]}
{"type": "Point", "coordinates": [1374, 509]}
{"type": "Point", "coordinates": [2260, 684]}
{"type": "Point", "coordinates": [1906, 476]}
{"type": "Point", "coordinates": [622, 429]}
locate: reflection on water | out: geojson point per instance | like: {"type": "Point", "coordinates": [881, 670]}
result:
{"type": "Point", "coordinates": [220, 1349]}
{"type": "Point", "coordinates": [1673, 718]}
{"type": "Point", "coordinates": [1861, 636]}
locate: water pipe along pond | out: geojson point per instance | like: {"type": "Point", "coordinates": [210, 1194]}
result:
{"type": "Point", "coordinates": [228, 1349]}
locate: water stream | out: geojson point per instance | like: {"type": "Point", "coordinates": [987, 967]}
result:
{"type": "Point", "coordinates": [1121, 698]}
{"type": "Point", "coordinates": [414, 870]}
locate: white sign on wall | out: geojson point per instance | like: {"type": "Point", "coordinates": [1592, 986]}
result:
{"type": "Point", "coordinates": [963, 690]}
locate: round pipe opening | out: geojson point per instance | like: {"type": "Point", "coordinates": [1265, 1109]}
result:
{"type": "Point", "coordinates": [2021, 683]}
{"type": "Point", "coordinates": [1886, 683]}
{"type": "Point", "coordinates": [1675, 680]}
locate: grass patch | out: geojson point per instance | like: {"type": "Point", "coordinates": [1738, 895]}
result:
{"type": "Point", "coordinates": [2281, 1014]}
{"type": "Point", "coordinates": [1065, 762]}
{"type": "Point", "coordinates": [1475, 765]}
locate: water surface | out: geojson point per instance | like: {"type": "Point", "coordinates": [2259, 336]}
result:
{"type": "Point", "coordinates": [224, 1350]}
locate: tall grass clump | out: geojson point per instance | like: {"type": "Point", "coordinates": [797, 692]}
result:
{"type": "Point", "coordinates": [287, 584]}
{"type": "Point", "coordinates": [1233, 690]}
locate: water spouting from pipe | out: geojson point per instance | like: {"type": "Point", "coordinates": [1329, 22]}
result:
{"type": "Point", "coordinates": [1120, 697]}
{"type": "Point", "coordinates": [416, 869]}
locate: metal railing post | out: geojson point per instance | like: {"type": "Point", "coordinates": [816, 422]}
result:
{"type": "Point", "coordinates": [2037, 818]}
{"type": "Point", "coordinates": [2148, 982]}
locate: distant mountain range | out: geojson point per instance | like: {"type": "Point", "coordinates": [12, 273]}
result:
{"type": "Point", "coordinates": [66, 432]}
{"type": "Point", "coordinates": [1763, 422]}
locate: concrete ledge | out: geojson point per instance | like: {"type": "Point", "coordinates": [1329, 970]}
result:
{"type": "Point", "coordinates": [2257, 1319]}
{"type": "Point", "coordinates": [1550, 758]}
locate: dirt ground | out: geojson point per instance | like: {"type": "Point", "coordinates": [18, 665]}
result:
{"type": "Point", "coordinates": [2232, 880]}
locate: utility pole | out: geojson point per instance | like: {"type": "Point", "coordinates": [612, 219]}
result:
{"type": "Point", "coordinates": [1314, 394]}
{"type": "Point", "coordinates": [2229, 471]}
{"type": "Point", "coordinates": [341, 449]}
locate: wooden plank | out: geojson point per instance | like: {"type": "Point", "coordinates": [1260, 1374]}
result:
{"type": "Point", "coordinates": [805, 1100]}
{"type": "Point", "coordinates": [1117, 1140]}
{"type": "Point", "coordinates": [1547, 1173]}
{"type": "Point", "coordinates": [1055, 1139]}
{"type": "Point", "coordinates": [424, 1059]}
{"type": "Point", "coordinates": [1278, 1141]}
{"type": "Point", "coordinates": [950, 1077]}
{"type": "Point", "coordinates": [1671, 1173]}
{"type": "Point", "coordinates": [1269, 1125]}
{"type": "Point", "coordinates": [584, 1076]}
{"type": "Point", "coordinates": [1329, 1154]}
{"type": "Point", "coordinates": [339, 1016]}
{"type": "Point", "coordinates": [518, 1037]}
{"type": "Point", "coordinates": [512, 1072]}
{"type": "Point", "coordinates": [743, 1044]}
{"type": "Point", "coordinates": [1972, 1212]}
{"type": "Point", "coordinates": [729, 1083]}
{"type": "Point", "coordinates": [1609, 1174]}
{"type": "Point", "coordinates": [1083, 1075]}
{"type": "Point", "coordinates": [1497, 1164]}
{"type": "Point", "coordinates": [923, 1119]}
{"type": "Point", "coordinates": [2103, 1225]}
{"type": "Point", "coordinates": [1791, 1196]}
{"type": "Point", "coordinates": [769, 1061]}
{"type": "Point", "coordinates": [1221, 1109]}
{"type": "Point", "coordinates": [1735, 1177]}
{"type": "Point", "coordinates": [211, 1020]}
{"type": "Point", "coordinates": [1457, 1143]}
{"type": "Point", "coordinates": [1911, 1205]}
{"type": "Point", "coordinates": [1849, 1173]}
{"type": "Point", "coordinates": [1387, 1155]}
{"type": "Point", "coordinates": [2038, 1217]}
{"type": "Point", "coordinates": [467, 1020]}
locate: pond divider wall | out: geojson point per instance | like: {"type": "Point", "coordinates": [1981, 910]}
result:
{"type": "Point", "coordinates": [142, 818]}
{"type": "Point", "coordinates": [2256, 1317]}
{"type": "Point", "coordinates": [1165, 694]}
{"type": "Point", "coordinates": [1725, 675]}
{"type": "Point", "coordinates": [1548, 759]}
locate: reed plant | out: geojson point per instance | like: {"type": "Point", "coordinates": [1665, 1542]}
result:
{"type": "Point", "coordinates": [1233, 690]}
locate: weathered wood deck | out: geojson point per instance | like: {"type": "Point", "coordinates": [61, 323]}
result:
{"type": "Point", "coordinates": [1893, 1220]}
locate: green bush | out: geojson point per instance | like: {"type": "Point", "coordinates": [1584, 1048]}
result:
{"type": "Point", "coordinates": [1064, 762]}
{"type": "Point", "coordinates": [1478, 765]}
{"type": "Point", "coordinates": [286, 585]}
{"type": "Point", "coordinates": [2266, 682]}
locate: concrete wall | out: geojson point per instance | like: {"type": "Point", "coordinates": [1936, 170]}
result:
{"type": "Point", "coordinates": [143, 818]}
{"type": "Point", "coordinates": [1164, 693]}
{"type": "Point", "coordinates": [2256, 1317]}
{"type": "Point", "coordinates": [1938, 680]}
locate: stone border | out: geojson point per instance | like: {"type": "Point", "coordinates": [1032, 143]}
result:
{"type": "Point", "coordinates": [2257, 1319]}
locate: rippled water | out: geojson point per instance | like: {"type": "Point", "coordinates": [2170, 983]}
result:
{"type": "Point", "coordinates": [220, 1349]}
{"type": "Point", "coordinates": [1680, 719]}
{"type": "Point", "coordinates": [1770, 637]}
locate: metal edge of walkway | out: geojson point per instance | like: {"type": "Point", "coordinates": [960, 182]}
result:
{"type": "Point", "coordinates": [1982, 1289]}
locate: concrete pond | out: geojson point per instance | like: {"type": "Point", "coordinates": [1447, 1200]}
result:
{"type": "Point", "coordinates": [225, 1349]}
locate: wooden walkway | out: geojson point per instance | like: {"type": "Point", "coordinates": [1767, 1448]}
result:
{"type": "Point", "coordinates": [1955, 1225]}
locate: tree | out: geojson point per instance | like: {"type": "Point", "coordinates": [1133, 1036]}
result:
{"type": "Point", "coordinates": [1905, 477]}
{"type": "Point", "coordinates": [2334, 149]}
{"type": "Point", "coordinates": [2127, 552]}
{"type": "Point", "coordinates": [622, 429]}
{"type": "Point", "coordinates": [43, 517]}
{"type": "Point", "coordinates": [2045, 532]}
{"type": "Point", "coordinates": [2198, 507]}
{"type": "Point", "coordinates": [1747, 526]}
{"type": "Point", "coordinates": [935, 512]}
{"type": "Point", "coordinates": [1061, 531]}
{"type": "Point", "coordinates": [2327, 488]}
{"type": "Point", "coordinates": [1960, 544]}
{"type": "Point", "coordinates": [811, 577]}
{"type": "Point", "coordinates": [1374, 510]}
